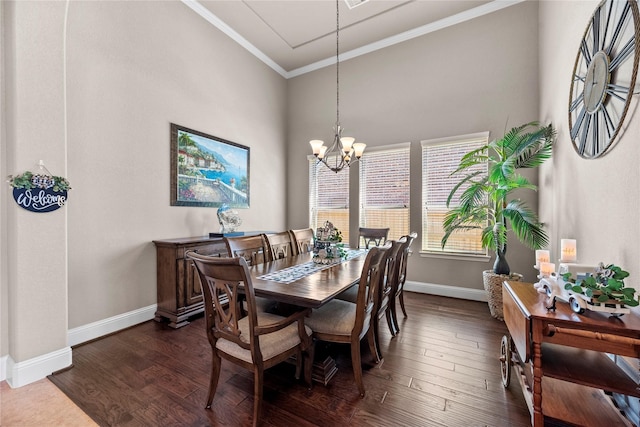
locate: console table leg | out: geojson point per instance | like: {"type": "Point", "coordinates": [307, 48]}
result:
{"type": "Point", "coordinates": [537, 416]}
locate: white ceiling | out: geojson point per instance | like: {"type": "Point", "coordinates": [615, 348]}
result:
{"type": "Point", "coordinates": [297, 36]}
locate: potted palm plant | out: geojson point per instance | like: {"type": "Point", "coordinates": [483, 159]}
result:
{"type": "Point", "coordinates": [486, 199]}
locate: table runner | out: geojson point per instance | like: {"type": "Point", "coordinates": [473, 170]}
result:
{"type": "Point", "coordinates": [293, 273]}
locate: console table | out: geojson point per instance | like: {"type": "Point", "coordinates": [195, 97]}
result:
{"type": "Point", "coordinates": [178, 285]}
{"type": "Point", "coordinates": [561, 358]}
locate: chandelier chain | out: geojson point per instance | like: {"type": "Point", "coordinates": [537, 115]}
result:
{"type": "Point", "coordinates": [342, 152]}
{"type": "Point", "coordinates": [337, 64]}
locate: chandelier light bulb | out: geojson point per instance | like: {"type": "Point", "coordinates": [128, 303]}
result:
{"type": "Point", "coordinates": [316, 145]}
{"type": "Point", "coordinates": [347, 142]}
{"type": "Point", "coordinates": [359, 147]}
{"type": "Point", "coordinates": [323, 150]}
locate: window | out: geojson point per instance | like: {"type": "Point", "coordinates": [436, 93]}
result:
{"type": "Point", "coordinates": [384, 189]}
{"type": "Point", "coordinates": [328, 197]}
{"type": "Point", "coordinates": [440, 158]}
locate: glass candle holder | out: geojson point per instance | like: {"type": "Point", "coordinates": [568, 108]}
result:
{"type": "Point", "coordinates": [542, 255]}
{"type": "Point", "coordinates": [568, 250]}
{"type": "Point", "coordinates": [547, 269]}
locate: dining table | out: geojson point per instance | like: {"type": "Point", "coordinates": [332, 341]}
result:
{"type": "Point", "coordinates": [300, 282]}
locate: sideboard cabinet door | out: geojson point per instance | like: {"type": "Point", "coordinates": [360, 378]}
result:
{"type": "Point", "coordinates": [178, 285]}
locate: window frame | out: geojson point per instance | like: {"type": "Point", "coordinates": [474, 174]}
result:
{"type": "Point", "coordinates": [483, 138]}
{"type": "Point", "coordinates": [405, 148]}
{"type": "Point", "coordinates": [313, 198]}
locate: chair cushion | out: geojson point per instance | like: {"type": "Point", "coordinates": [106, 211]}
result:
{"type": "Point", "coordinates": [336, 317]}
{"type": "Point", "coordinates": [271, 344]}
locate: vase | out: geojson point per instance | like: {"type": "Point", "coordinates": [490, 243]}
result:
{"type": "Point", "coordinates": [493, 286]}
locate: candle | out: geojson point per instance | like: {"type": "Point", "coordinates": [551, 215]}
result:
{"type": "Point", "coordinates": [547, 269]}
{"type": "Point", "coordinates": [542, 255]}
{"type": "Point", "coordinates": [568, 250]}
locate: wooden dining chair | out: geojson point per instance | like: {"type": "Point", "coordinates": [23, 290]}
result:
{"type": "Point", "coordinates": [372, 236]}
{"type": "Point", "coordinates": [303, 240]}
{"type": "Point", "coordinates": [386, 287]}
{"type": "Point", "coordinates": [255, 250]}
{"type": "Point", "coordinates": [345, 322]}
{"type": "Point", "coordinates": [255, 342]}
{"type": "Point", "coordinates": [398, 292]}
{"type": "Point", "coordinates": [281, 245]}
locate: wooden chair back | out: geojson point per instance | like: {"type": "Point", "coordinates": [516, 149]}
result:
{"type": "Point", "coordinates": [253, 249]}
{"type": "Point", "coordinates": [221, 279]}
{"type": "Point", "coordinates": [386, 286]}
{"type": "Point", "coordinates": [372, 271]}
{"type": "Point", "coordinates": [398, 290]}
{"type": "Point", "coordinates": [389, 277]}
{"type": "Point", "coordinates": [281, 245]}
{"type": "Point", "coordinates": [303, 240]}
{"type": "Point", "coordinates": [402, 270]}
{"type": "Point", "coordinates": [372, 236]}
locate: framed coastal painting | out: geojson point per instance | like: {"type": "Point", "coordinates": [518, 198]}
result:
{"type": "Point", "coordinates": [207, 171]}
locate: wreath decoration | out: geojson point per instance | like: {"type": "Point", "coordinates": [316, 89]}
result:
{"type": "Point", "coordinates": [29, 180]}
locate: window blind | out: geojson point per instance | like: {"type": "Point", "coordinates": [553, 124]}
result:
{"type": "Point", "coordinates": [384, 190]}
{"type": "Point", "coordinates": [328, 197]}
{"type": "Point", "coordinates": [440, 158]}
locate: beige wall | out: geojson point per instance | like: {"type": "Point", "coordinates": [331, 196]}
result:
{"type": "Point", "coordinates": [4, 278]}
{"type": "Point", "coordinates": [36, 244]}
{"type": "Point", "coordinates": [132, 69]}
{"type": "Point", "coordinates": [135, 67]}
{"type": "Point", "coordinates": [473, 77]}
{"type": "Point", "coordinates": [596, 201]}
{"type": "Point", "coordinates": [593, 201]}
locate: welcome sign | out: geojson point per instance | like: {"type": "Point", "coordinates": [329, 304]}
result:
{"type": "Point", "coordinates": [39, 200]}
{"type": "Point", "coordinates": [39, 192]}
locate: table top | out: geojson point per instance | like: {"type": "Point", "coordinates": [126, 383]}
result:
{"type": "Point", "coordinates": [534, 306]}
{"type": "Point", "coordinates": [311, 291]}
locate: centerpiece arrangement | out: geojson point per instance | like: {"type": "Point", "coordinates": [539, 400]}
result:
{"type": "Point", "coordinates": [328, 247]}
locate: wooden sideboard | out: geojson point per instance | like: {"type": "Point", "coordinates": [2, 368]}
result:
{"type": "Point", "coordinates": [179, 290]}
{"type": "Point", "coordinates": [561, 358]}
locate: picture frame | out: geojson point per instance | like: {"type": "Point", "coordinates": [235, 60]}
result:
{"type": "Point", "coordinates": [207, 171]}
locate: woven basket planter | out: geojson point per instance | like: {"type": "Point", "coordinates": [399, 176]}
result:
{"type": "Point", "coordinates": [493, 286]}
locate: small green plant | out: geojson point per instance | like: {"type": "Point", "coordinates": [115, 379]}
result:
{"type": "Point", "coordinates": [606, 284]}
{"type": "Point", "coordinates": [29, 180]}
{"type": "Point", "coordinates": [342, 252]}
{"type": "Point", "coordinates": [336, 236]}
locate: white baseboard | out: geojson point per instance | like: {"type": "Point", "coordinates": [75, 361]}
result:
{"type": "Point", "coordinates": [446, 291]}
{"type": "Point", "coordinates": [3, 367]}
{"type": "Point", "coordinates": [23, 373]}
{"type": "Point", "coordinates": [103, 327]}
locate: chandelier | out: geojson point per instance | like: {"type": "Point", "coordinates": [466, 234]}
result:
{"type": "Point", "coordinates": [343, 151]}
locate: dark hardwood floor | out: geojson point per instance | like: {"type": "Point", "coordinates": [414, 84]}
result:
{"type": "Point", "coordinates": [441, 370]}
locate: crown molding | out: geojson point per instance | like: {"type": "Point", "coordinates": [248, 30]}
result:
{"type": "Point", "coordinates": [371, 47]}
{"type": "Point", "coordinates": [219, 24]}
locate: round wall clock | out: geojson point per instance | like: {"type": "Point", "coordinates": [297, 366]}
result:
{"type": "Point", "coordinates": [604, 77]}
